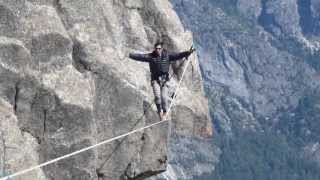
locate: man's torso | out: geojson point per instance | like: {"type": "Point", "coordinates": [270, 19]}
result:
{"type": "Point", "coordinates": [159, 65]}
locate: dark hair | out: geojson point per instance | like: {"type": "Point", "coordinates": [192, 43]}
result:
{"type": "Point", "coordinates": [158, 43]}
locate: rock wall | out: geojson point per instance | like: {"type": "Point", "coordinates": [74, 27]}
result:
{"type": "Point", "coordinates": [66, 83]}
{"type": "Point", "coordinates": [260, 64]}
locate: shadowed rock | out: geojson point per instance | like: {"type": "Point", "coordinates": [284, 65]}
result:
{"type": "Point", "coordinates": [9, 23]}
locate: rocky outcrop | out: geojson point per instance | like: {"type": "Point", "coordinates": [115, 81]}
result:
{"type": "Point", "coordinates": [67, 83]}
{"type": "Point", "coordinates": [262, 77]}
{"type": "Point", "coordinates": [260, 64]}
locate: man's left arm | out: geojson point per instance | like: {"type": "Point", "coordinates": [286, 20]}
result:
{"type": "Point", "coordinates": [178, 56]}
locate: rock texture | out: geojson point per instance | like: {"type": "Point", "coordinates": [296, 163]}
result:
{"type": "Point", "coordinates": [66, 83]}
{"type": "Point", "coordinates": [260, 63]}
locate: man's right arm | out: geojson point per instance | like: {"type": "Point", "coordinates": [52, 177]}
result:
{"type": "Point", "coordinates": [140, 57]}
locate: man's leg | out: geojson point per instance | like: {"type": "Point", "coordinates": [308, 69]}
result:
{"type": "Point", "coordinates": [157, 95]}
{"type": "Point", "coordinates": [164, 98]}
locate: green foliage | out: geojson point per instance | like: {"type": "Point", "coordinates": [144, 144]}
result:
{"type": "Point", "coordinates": [261, 156]}
{"type": "Point", "coordinates": [302, 123]}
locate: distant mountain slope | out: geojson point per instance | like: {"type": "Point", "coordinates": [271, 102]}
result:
{"type": "Point", "coordinates": [260, 62]}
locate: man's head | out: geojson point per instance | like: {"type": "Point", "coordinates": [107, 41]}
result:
{"type": "Point", "coordinates": [158, 48]}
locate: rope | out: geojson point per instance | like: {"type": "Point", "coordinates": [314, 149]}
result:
{"type": "Point", "coordinates": [101, 143]}
{"type": "Point", "coordinates": [177, 89]}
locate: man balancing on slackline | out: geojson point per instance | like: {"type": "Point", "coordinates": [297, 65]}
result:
{"type": "Point", "coordinates": [159, 62]}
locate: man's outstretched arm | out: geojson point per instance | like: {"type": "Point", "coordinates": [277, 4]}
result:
{"type": "Point", "coordinates": [140, 57]}
{"type": "Point", "coordinates": [178, 56]}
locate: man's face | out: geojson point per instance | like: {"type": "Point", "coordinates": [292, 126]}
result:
{"type": "Point", "coordinates": [158, 50]}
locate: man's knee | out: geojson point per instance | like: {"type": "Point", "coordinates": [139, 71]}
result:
{"type": "Point", "coordinates": [164, 104]}
{"type": "Point", "coordinates": [157, 100]}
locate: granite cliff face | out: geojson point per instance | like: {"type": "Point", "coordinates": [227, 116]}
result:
{"type": "Point", "coordinates": [66, 83]}
{"type": "Point", "coordinates": [260, 64]}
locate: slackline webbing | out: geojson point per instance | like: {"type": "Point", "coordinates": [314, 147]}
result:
{"type": "Point", "coordinates": [9, 177]}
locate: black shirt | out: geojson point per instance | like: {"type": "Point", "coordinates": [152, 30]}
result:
{"type": "Point", "coordinates": [159, 65]}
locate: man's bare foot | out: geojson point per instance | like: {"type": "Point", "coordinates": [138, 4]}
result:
{"type": "Point", "coordinates": [164, 116]}
{"type": "Point", "coordinates": [161, 116]}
